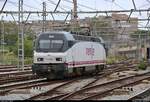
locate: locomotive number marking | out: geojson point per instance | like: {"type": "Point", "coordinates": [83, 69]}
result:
{"type": "Point", "coordinates": [90, 51]}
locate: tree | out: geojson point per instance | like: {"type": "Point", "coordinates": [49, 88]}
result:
{"type": "Point", "coordinates": [11, 38]}
{"type": "Point", "coordinates": [141, 32]}
{"type": "Point", "coordinates": [28, 47]}
{"type": "Point", "coordinates": [10, 32]}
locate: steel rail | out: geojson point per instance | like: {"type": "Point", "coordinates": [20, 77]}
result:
{"type": "Point", "coordinates": [86, 85]}
{"type": "Point", "coordinates": [8, 87]}
{"type": "Point", "coordinates": [13, 69]}
{"type": "Point", "coordinates": [8, 74]}
{"type": "Point", "coordinates": [24, 77]}
{"type": "Point", "coordinates": [141, 95]}
{"type": "Point", "coordinates": [70, 96]}
{"type": "Point", "coordinates": [51, 90]}
{"type": "Point", "coordinates": [30, 85]}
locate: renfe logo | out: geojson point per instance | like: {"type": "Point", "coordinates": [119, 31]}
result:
{"type": "Point", "coordinates": [90, 51]}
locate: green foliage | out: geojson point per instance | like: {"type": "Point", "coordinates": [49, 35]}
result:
{"type": "Point", "coordinates": [141, 32]}
{"type": "Point", "coordinates": [10, 32]}
{"type": "Point", "coordinates": [114, 59]}
{"type": "Point", "coordinates": [11, 47]}
{"type": "Point", "coordinates": [110, 60]}
{"type": "Point", "coordinates": [28, 60]}
{"type": "Point", "coordinates": [28, 47]}
{"type": "Point", "coordinates": [11, 59]}
{"type": "Point", "coordinates": [142, 65]}
{"type": "Point", "coordinates": [10, 39]}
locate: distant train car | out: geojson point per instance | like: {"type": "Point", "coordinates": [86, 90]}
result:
{"type": "Point", "coordinates": [62, 54]}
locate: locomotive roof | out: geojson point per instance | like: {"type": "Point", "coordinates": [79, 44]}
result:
{"type": "Point", "coordinates": [71, 36]}
{"type": "Point", "coordinates": [68, 35]}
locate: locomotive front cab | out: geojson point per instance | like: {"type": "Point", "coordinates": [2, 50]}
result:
{"type": "Point", "coordinates": [49, 55]}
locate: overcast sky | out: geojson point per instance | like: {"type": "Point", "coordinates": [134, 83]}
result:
{"type": "Point", "coordinates": [36, 5]}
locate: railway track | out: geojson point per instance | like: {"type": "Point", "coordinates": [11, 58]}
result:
{"type": "Point", "coordinates": [97, 91]}
{"type": "Point", "coordinates": [29, 84]}
{"type": "Point", "coordinates": [8, 75]}
{"type": "Point", "coordinates": [21, 84]}
{"type": "Point", "coordinates": [17, 78]}
{"type": "Point", "coordinates": [8, 71]}
{"type": "Point", "coordinates": [14, 73]}
{"type": "Point", "coordinates": [41, 96]}
{"type": "Point", "coordinates": [13, 69]}
{"type": "Point", "coordinates": [141, 96]}
{"type": "Point", "coordinates": [11, 66]}
{"type": "Point", "coordinates": [11, 77]}
{"type": "Point", "coordinates": [88, 81]}
{"type": "Point", "coordinates": [83, 83]}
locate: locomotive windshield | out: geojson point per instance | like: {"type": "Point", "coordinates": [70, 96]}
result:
{"type": "Point", "coordinates": [50, 43]}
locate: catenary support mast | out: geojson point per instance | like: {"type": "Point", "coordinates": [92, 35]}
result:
{"type": "Point", "coordinates": [20, 37]}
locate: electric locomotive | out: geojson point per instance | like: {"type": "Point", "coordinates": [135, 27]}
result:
{"type": "Point", "coordinates": [60, 54]}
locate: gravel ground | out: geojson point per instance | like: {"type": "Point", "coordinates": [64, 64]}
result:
{"type": "Point", "coordinates": [76, 86]}
{"type": "Point", "coordinates": [136, 90]}
{"type": "Point", "coordinates": [115, 76]}
{"type": "Point", "coordinates": [22, 94]}
{"type": "Point", "coordinates": [26, 93]}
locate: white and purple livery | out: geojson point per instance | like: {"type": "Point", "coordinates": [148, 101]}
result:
{"type": "Point", "coordinates": [61, 54]}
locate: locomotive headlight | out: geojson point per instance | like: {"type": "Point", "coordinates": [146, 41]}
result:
{"type": "Point", "coordinates": [59, 59]}
{"type": "Point", "coordinates": [39, 59]}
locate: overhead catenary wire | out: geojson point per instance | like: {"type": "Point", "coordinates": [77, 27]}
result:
{"type": "Point", "coordinates": [37, 2]}
{"type": "Point", "coordinates": [113, 1]}
{"type": "Point", "coordinates": [134, 4]}
{"type": "Point", "coordinates": [16, 4]}
{"type": "Point", "coordinates": [95, 11]}
{"type": "Point", "coordinates": [13, 17]}
{"type": "Point", "coordinates": [81, 5]}
{"type": "Point", "coordinates": [27, 18]}
{"type": "Point", "coordinates": [68, 12]}
{"type": "Point", "coordinates": [3, 6]}
{"type": "Point", "coordinates": [130, 15]}
{"type": "Point", "coordinates": [66, 17]}
{"type": "Point", "coordinates": [64, 6]}
{"type": "Point", "coordinates": [148, 1]}
{"type": "Point", "coordinates": [57, 5]}
{"type": "Point", "coordinates": [52, 2]}
{"type": "Point", "coordinates": [55, 11]}
{"type": "Point", "coordinates": [84, 12]}
{"type": "Point", "coordinates": [148, 21]}
{"type": "Point", "coordinates": [143, 5]}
